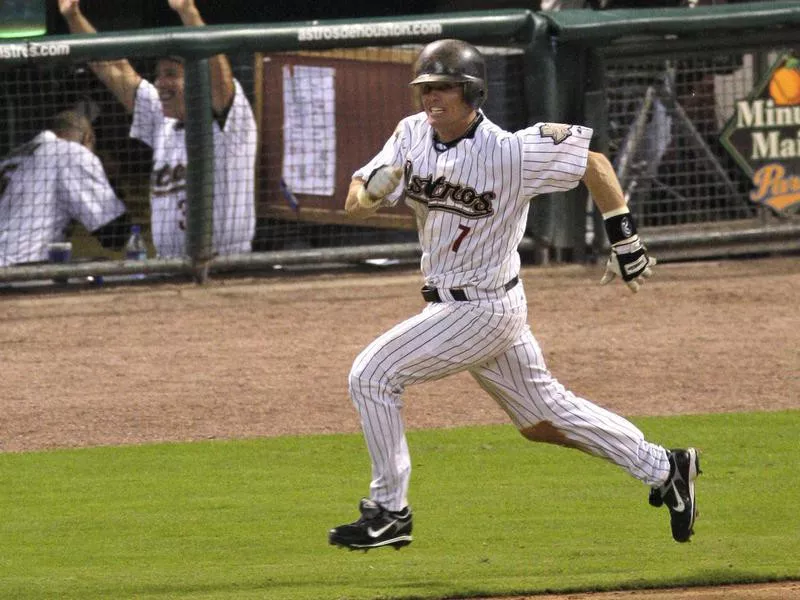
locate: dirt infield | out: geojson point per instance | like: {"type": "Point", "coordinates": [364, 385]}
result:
{"type": "Point", "coordinates": [778, 591]}
{"type": "Point", "coordinates": [264, 357]}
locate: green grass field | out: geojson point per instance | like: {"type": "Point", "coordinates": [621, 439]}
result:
{"type": "Point", "coordinates": [494, 514]}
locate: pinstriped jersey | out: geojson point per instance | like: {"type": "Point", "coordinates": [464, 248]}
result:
{"type": "Point", "coordinates": [471, 198]}
{"type": "Point", "coordinates": [234, 174]}
{"type": "Point", "coordinates": [44, 184]}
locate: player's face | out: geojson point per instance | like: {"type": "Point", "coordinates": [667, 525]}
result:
{"type": "Point", "coordinates": [447, 112]}
{"type": "Point", "coordinates": [169, 83]}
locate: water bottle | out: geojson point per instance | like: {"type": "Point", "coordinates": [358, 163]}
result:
{"type": "Point", "coordinates": [135, 248]}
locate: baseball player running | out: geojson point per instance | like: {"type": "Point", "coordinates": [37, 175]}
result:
{"type": "Point", "coordinates": [158, 112]}
{"type": "Point", "coordinates": [469, 184]}
{"type": "Point", "coordinates": [50, 181]}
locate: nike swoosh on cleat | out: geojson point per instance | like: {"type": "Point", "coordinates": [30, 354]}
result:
{"type": "Point", "coordinates": [680, 505]}
{"type": "Point", "coordinates": [374, 533]}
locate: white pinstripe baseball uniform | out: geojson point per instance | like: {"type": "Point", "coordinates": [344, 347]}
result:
{"type": "Point", "coordinates": [471, 200]}
{"type": "Point", "coordinates": [44, 185]}
{"type": "Point", "coordinates": [234, 174]}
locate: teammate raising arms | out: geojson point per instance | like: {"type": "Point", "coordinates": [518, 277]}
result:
{"type": "Point", "coordinates": [158, 112]}
{"type": "Point", "coordinates": [50, 181]}
{"type": "Point", "coordinates": [469, 184]}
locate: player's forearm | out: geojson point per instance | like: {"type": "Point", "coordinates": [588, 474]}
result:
{"type": "Point", "coordinates": [120, 78]}
{"type": "Point", "coordinates": [78, 23]}
{"type": "Point", "coordinates": [222, 88]}
{"type": "Point", "coordinates": [602, 182]}
{"type": "Point", "coordinates": [220, 72]}
{"type": "Point", "coordinates": [189, 15]}
{"type": "Point", "coordinates": [117, 75]}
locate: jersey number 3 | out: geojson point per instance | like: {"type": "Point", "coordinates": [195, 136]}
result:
{"type": "Point", "coordinates": [457, 243]}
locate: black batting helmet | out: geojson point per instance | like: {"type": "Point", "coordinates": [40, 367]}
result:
{"type": "Point", "coordinates": [453, 61]}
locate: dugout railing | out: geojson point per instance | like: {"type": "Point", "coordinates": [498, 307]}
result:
{"type": "Point", "coordinates": [567, 66]}
{"type": "Point", "coordinates": [42, 75]}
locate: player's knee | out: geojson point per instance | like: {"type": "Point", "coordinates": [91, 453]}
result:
{"type": "Point", "coordinates": [358, 381]}
{"type": "Point", "coordinates": [363, 376]}
{"type": "Point", "coordinates": [368, 382]}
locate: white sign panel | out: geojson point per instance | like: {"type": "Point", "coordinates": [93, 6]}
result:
{"type": "Point", "coordinates": [309, 129]}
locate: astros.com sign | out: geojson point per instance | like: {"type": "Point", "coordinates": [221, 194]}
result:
{"type": "Point", "coordinates": [367, 31]}
{"type": "Point", "coordinates": [33, 50]}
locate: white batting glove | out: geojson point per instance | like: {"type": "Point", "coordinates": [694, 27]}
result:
{"type": "Point", "coordinates": [380, 183]}
{"type": "Point", "coordinates": [629, 258]}
{"type": "Point", "coordinates": [636, 266]}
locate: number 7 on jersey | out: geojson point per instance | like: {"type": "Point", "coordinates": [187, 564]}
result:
{"type": "Point", "coordinates": [464, 231]}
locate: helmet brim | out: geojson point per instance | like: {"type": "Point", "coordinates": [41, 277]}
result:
{"type": "Point", "coordinates": [440, 78]}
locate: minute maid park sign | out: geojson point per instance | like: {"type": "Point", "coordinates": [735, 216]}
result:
{"type": "Point", "coordinates": [763, 136]}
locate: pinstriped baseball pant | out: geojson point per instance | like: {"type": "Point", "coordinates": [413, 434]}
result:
{"type": "Point", "coordinates": [491, 340]}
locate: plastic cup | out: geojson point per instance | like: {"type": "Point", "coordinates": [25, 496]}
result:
{"type": "Point", "coordinates": [59, 252]}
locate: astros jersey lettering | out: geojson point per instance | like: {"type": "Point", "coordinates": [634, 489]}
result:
{"type": "Point", "coordinates": [45, 184]}
{"type": "Point", "coordinates": [468, 195]}
{"type": "Point", "coordinates": [471, 199]}
{"type": "Point", "coordinates": [234, 174]}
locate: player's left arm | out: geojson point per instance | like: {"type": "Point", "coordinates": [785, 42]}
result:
{"type": "Point", "coordinates": [629, 258]}
{"type": "Point", "coordinates": [221, 74]}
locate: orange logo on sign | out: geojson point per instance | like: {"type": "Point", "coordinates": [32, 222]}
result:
{"type": "Point", "coordinates": [784, 86]}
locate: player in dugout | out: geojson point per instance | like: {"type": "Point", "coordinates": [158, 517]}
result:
{"type": "Point", "coordinates": [158, 111]}
{"type": "Point", "coordinates": [50, 181]}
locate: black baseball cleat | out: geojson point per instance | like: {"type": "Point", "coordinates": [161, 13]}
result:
{"type": "Point", "coordinates": [377, 527]}
{"type": "Point", "coordinates": [678, 493]}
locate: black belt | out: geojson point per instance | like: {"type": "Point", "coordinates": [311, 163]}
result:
{"type": "Point", "coordinates": [431, 294]}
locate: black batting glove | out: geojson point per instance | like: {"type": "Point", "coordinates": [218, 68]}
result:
{"type": "Point", "coordinates": [629, 258]}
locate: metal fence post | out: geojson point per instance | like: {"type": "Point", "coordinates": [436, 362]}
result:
{"type": "Point", "coordinates": [200, 170]}
{"type": "Point", "coordinates": [540, 94]}
{"type": "Point", "coordinates": [595, 110]}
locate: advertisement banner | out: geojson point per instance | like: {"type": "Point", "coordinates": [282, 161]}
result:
{"type": "Point", "coordinates": [763, 137]}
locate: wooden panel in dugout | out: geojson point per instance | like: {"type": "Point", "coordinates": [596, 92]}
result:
{"type": "Point", "coordinates": [371, 95]}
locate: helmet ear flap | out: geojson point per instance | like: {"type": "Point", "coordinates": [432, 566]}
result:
{"type": "Point", "coordinates": [475, 94]}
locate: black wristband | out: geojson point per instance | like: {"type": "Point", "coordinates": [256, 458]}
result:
{"type": "Point", "coordinates": [620, 227]}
